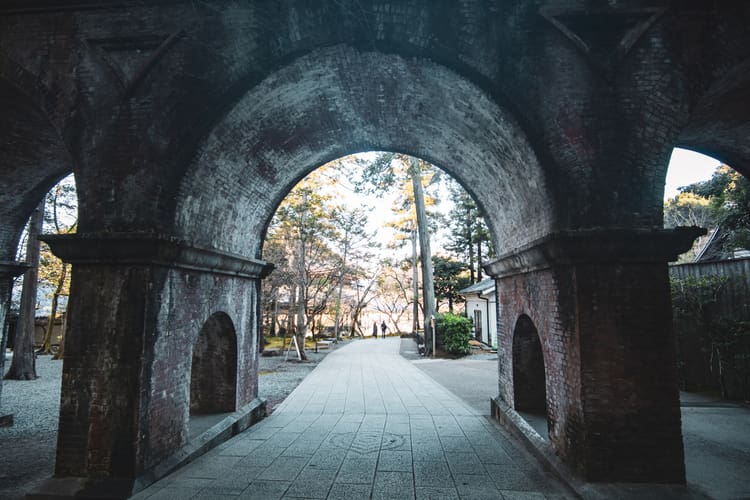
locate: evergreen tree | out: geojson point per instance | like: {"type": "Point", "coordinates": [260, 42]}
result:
{"type": "Point", "coordinates": [470, 237]}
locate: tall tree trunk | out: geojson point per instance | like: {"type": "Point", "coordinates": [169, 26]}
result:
{"type": "Point", "coordinates": [302, 286]}
{"type": "Point", "coordinates": [469, 239]}
{"type": "Point", "coordinates": [301, 329]}
{"type": "Point", "coordinates": [342, 274]}
{"type": "Point", "coordinates": [479, 260]}
{"type": "Point", "coordinates": [274, 315]}
{"type": "Point", "coordinates": [415, 283]}
{"type": "Point", "coordinates": [428, 288]}
{"type": "Point", "coordinates": [23, 366]}
{"type": "Point", "coordinates": [47, 342]}
{"type": "Point", "coordinates": [291, 311]}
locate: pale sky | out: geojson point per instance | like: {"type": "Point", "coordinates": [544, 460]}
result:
{"type": "Point", "coordinates": [687, 167]}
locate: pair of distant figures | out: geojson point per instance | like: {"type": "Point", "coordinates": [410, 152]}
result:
{"type": "Point", "coordinates": [383, 328]}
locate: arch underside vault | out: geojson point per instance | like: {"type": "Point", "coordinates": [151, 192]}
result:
{"type": "Point", "coordinates": [337, 101]}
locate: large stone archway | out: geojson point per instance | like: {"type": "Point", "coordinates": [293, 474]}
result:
{"type": "Point", "coordinates": [341, 100]}
{"type": "Point", "coordinates": [186, 123]}
{"type": "Point", "coordinates": [33, 158]}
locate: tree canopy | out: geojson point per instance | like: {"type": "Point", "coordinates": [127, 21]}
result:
{"type": "Point", "coordinates": [722, 200]}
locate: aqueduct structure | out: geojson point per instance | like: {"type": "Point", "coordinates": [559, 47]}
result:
{"type": "Point", "coordinates": [187, 122]}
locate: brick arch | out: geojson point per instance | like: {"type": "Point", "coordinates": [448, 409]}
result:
{"type": "Point", "coordinates": [720, 124]}
{"type": "Point", "coordinates": [341, 100]}
{"type": "Point", "coordinates": [529, 374]}
{"type": "Point", "coordinates": [213, 376]}
{"type": "Point", "coordinates": [33, 158]}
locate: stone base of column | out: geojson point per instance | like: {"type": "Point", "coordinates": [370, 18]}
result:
{"type": "Point", "coordinates": [81, 487]}
{"type": "Point", "coordinates": [58, 488]}
{"type": "Point", "coordinates": [599, 302]}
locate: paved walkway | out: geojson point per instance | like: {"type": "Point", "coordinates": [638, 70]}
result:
{"type": "Point", "coordinates": [365, 424]}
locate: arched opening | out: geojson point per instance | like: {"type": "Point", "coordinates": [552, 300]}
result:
{"type": "Point", "coordinates": [345, 246]}
{"type": "Point", "coordinates": [34, 337]}
{"type": "Point", "coordinates": [213, 374]}
{"type": "Point", "coordinates": [413, 107]}
{"type": "Point", "coordinates": [529, 380]}
{"type": "Point", "coordinates": [710, 284]}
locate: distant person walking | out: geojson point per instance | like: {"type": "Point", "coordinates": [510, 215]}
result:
{"type": "Point", "coordinates": [383, 328]}
{"type": "Point", "coordinates": [375, 329]}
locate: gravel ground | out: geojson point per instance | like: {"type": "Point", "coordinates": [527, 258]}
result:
{"type": "Point", "coordinates": [27, 449]}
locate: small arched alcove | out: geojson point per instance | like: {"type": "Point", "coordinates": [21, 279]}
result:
{"type": "Point", "coordinates": [213, 377]}
{"type": "Point", "coordinates": [529, 381]}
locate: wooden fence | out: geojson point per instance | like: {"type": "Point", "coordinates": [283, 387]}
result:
{"type": "Point", "coordinates": [735, 299]}
{"type": "Point", "coordinates": [699, 352]}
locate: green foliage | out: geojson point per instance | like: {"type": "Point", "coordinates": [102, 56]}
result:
{"type": "Point", "coordinates": [470, 238]}
{"type": "Point", "coordinates": [688, 209]}
{"type": "Point", "coordinates": [455, 332]}
{"type": "Point", "coordinates": [449, 277]}
{"type": "Point", "coordinates": [697, 311]}
{"type": "Point", "coordinates": [728, 193]}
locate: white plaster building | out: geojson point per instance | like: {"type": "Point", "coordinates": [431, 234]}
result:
{"type": "Point", "coordinates": [481, 308]}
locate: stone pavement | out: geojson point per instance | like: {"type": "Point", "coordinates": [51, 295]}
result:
{"type": "Point", "coordinates": [365, 424]}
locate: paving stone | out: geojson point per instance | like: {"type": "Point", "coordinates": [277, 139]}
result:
{"type": "Point", "coordinates": [282, 439]}
{"type": "Point", "coordinates": [393, 486]}
{"type": "Point", "coordinates": [284, 469]}
{"type": "Point", "coordinates": [464, 463]}
{"type": "Point", "coordinates": [216, 494]}
{"type": "Point", "coordinates": [425, 454]}
{"type": "Point", "coordinates": [341, 491]}
{"type": "Point", "coordinates": [428, 452]}
{"type": "Point", "coordinates": [357, 470]}
{"type": "Point", "coordinates": [241, 448]}
{"type": "Point", "coordinates": [311, 483]}
{"type": "Point", "coordinates": [476, 487]}
{"type": "Point", "coordinates": [435, 473]}
{"type": "Point", "coordinates": [395, 461]}
{"type": "Point", "coordinates": [265, 490]}
{"type": "Point", "coordinates": [173, 493]}
{"type": "Point", "coordinates": [234, 483]}
{"type": "Point", "coordinates": [509, 477]}
{"type": "Point", "coordinates": [455, 444]}
{"type": "Point", "coordinates": [433, 493]}
{"type": "Point", "coordinates": [523, 495]}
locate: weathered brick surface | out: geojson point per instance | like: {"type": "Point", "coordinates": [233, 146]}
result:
{"type": "Point", "coordinates": [611, 372]}
{"type": "Point", "coordinates": [193, 119]}
{"type": "Point", "coordinates": [529, 380]}
{"type": "Point", "coordinates": [601, 119]}
{"type": "Point", "coordinates": [126, 377]}
{"type": "Point", "coordinates": [547, 300]}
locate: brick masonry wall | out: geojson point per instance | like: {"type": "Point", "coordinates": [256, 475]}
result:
{"type": "Point", "coordinates": [126, 376]}
{"type": "Point", "coordinates": [541, 296]}
{"type": "Point", "coordinates": [610, 363]}
{"type": "Point", "coordinates": [323, 106]}
{"type": "Point", "coordinates": [194, 119]}
{"type": "Point", "coordinates": [629, 373]}
{"type": "Point", "coordinates": [134, 91]}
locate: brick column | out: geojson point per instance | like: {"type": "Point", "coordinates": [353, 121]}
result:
{"type": "Point", "coordinates": [8, 271]}
{"type": "Point", "coordinates": [600, 300]}
{"type": "Point", "coordinates": [137, 304]}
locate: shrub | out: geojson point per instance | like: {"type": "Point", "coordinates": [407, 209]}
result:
{"type": "Point", "coordinates": [455, 332]}
{"type": "Point", "coordinates": [710, 337]}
